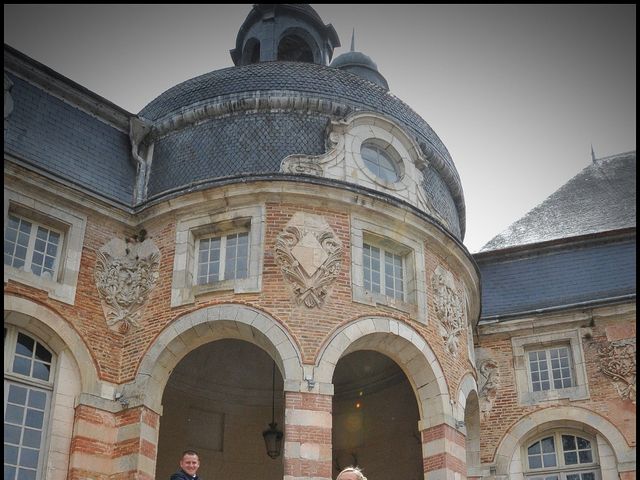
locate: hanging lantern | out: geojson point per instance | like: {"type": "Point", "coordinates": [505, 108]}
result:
{"type": "Point", "coordinates": [272, 436]}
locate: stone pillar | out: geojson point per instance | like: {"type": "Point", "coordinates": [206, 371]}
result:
{"type": "Point", "coordinates": [113, 444]}
{"type": "Point", "coordinates": [443, 452]}
{"type": "Point", "coordinates": [307, 435]}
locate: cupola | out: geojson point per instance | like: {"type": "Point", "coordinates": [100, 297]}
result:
{"type": "Point", "coordinates": [284, 32]}
{"type": "Point", "coordinates": [360, 64]}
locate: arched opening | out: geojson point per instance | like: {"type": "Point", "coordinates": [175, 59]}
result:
{"type": "Point", "coordinates": [472, 440]}
{"type": "Point", "coordinates": [294, 48]}
{"type": "Point", "coordinates": [218, 401]}
{"type": "Point", "coordinates": [251, 53]}
{"type": "Point", "coordinates": [375, 418]}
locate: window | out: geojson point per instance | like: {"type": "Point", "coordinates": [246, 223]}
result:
{"type": "Point", "coordinates": [562, 456]}
{"type": "Point", "coordinates": [384, 266]}
{"type": "Point", "coordinates": [379, 162]}
{"type": "Point", "coordinates": [550, 368]}
{"type": "Point", "coordinates": [216, 252]}
{"type": "Point", "coordinates": [383, 271]}
{"type": "Point", "coordinates": [223, 258]}
{"type": "Point", "coordinates": [42, 245]}
{"type": "Point", "coordinates": [28, 385]}
{"type": "Point", "coordinates": [31, 246]}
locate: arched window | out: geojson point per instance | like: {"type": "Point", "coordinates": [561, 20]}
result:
{"type": "Point", "coordinates": [28, 385]}
{"type": "Point", "coordinates": [293, 48]}
{"type": "Point", "coordinates": [562, 456]}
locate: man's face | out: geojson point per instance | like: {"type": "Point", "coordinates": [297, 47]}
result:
{"type": "Point", "coordinates": [190, 464]}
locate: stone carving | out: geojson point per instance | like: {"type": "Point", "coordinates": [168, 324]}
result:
{"type": "Point", "coordinates": [618, 362]}
{"type": "Point", "coordinates": [125, 274]}
{"type": "Point", "coordinates": [8, 100]}
{"type": "Point", "coordinates": [315, 164]}
{"type": "Point", "coordinates": [488, 383]}
{"type": "Point", "coordinates": [310, 257]}
{"type": "Point", "coordinates": [449, 308]}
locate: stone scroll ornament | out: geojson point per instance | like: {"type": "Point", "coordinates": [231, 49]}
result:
{"type": "Point", "coordinates": [310, 257]}
{"type": "Point", "coordinates": [488, 383]}
{"type": "Point", "coordinates": [618, 363]}
{"type": "Point", "coordinates": [125, 274]}
{"type": "Point", "coordinates": [449, 308]}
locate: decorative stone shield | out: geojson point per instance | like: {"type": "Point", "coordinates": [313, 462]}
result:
{"type": "Point", "coordinates": [449, 308]}
{"type": "Point", "coordinates": [488, 383]}
{"type": "Point", "coordinates": [125, 273]}
{"type": "Point", "coordinates": [310, 256]}
{"type": "Point", "coordinates": [618, 363]}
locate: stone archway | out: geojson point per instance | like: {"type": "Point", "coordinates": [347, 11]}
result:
{"type": "Point", "coordinates": [212, 326]}
{"type": "Point", "coordinates": [408, 349]}
{"type": "Point", "coordinates": [610, 439]}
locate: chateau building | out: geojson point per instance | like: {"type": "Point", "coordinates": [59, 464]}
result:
{"type": "Point", "coordinates": [266, 265]}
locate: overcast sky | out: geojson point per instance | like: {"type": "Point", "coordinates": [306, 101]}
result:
{"type": "Point", "coordinates": [517, 93]}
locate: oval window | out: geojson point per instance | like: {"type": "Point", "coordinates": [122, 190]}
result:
{"type": "Point", "coordinates": [380, 162]}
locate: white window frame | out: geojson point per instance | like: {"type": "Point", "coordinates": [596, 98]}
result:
{"type": "Point", "coordinates": [547, 354]}
{"type": "Point", "coordinates": [28, 261]}
{"type": "Point", "coordinates": [561, 469]}
{"type": "Point", "coordinates": [11, 378]}
{"type": "Point", "coordinates": [384, 247]}
{"type": "Point", "coordinates": [521, 348]}
{"type": "Point", "coordinates": [390, 239]}
{"type": "Point", "coordinates": [70, 224]}
{"type": "Point", "coordinates": [190, 229]}
{"type": "Point", "coordinates": [222, 274]}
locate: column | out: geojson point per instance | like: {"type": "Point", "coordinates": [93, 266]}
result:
{"type": "Point", "coordinates": [444, 454]}
{"type": "Point", "coordinates": [307, 448]}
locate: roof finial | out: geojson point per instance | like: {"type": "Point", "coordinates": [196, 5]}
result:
{"type": "Point", "coordinates": [353, 40]}
{"type": "Point", "coordinates": [593, 155]}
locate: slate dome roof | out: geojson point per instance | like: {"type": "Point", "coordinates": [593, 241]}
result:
{"type": "Point", "coordinates": [312, 80]}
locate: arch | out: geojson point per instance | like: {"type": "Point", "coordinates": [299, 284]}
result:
{"type": "Point", "coordinates": [468, 411]}
{"type": "Point", "coordinates": [407, 348]}
{"type": "Point", "coordinates": [251, 51]}
{"type": "Point", "coordinates": [562, 416]}
{"type": "Point", "coordinates": [296, 44]}
{"type": "Point", "coordinates": [56, 332]}
{"type": "Point", "coordinates": [207, 325]}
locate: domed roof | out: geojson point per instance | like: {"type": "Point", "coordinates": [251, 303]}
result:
{"type": "Point", "coordinates": [360, 64]}
{"type": "Point", "coordinates": [317, 81]}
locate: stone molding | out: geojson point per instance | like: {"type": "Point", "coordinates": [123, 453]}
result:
{"type": "Point", "coordinates": [449, 308]}
{"type": "Point", "coordinates": [125, 274]}
{"type": "Point", "coordinates": [617, 360]}
{"type": "Point", "coordinates": [309, 255]}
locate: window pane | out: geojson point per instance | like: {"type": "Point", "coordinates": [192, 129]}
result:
{"type": "Point", "coordinates": [548, 445]}
{"type": "Point", "coordinates": [31, 438]}
{"type": "Point", "coordinates": [24, 474]}
{"type": "Point", "coordinates": [585, 456]}
{"type": "Point", "coordinates": [22, 366]}
{"type": "Point", "coordinates": [29, 458]}
{"type": "Point", "coordinates": [535, 462]}
{"type": "Point", "coordinates": [11, 434]}
{"type": "Point", "coordinates": [568, 442]}
{"type": "Point", "coordinates": [17, 394]}
{"type": "Point", "coordinates": [40, 371]}
{"type": "Point", "coordinates": [549, 459]}
{"type": "Point", "coordinates": [583, 443]}
{"type": "Point", "coordinates": [34, 418]}
{"type": "Point", "coordinates": [25, 345]}
{"type": "Point", "coordinates": [37, 399]}
{"type": "Point", "coordinates": [9, 472]}
{"type": "Point", "coordinates": [14, 414]}
{"type": "Point", "coordinates": [534, 449]}
{"type": "Point", "coordinates": [42, 353]}
{"type": "Point", "coordinates": [570, 458]}
{"type": "Point", "coordinates": [588, 476]}
{"type": "Point", "coordinates": [10, 454]}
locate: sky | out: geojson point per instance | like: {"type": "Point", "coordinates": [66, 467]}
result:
{"type": "Point", "coordinates": [517, 93]}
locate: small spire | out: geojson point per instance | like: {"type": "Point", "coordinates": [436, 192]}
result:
{"type": "Point", "coordinates": [353, 40]}
{"type": "Point", "coordinates": [593, 155]}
